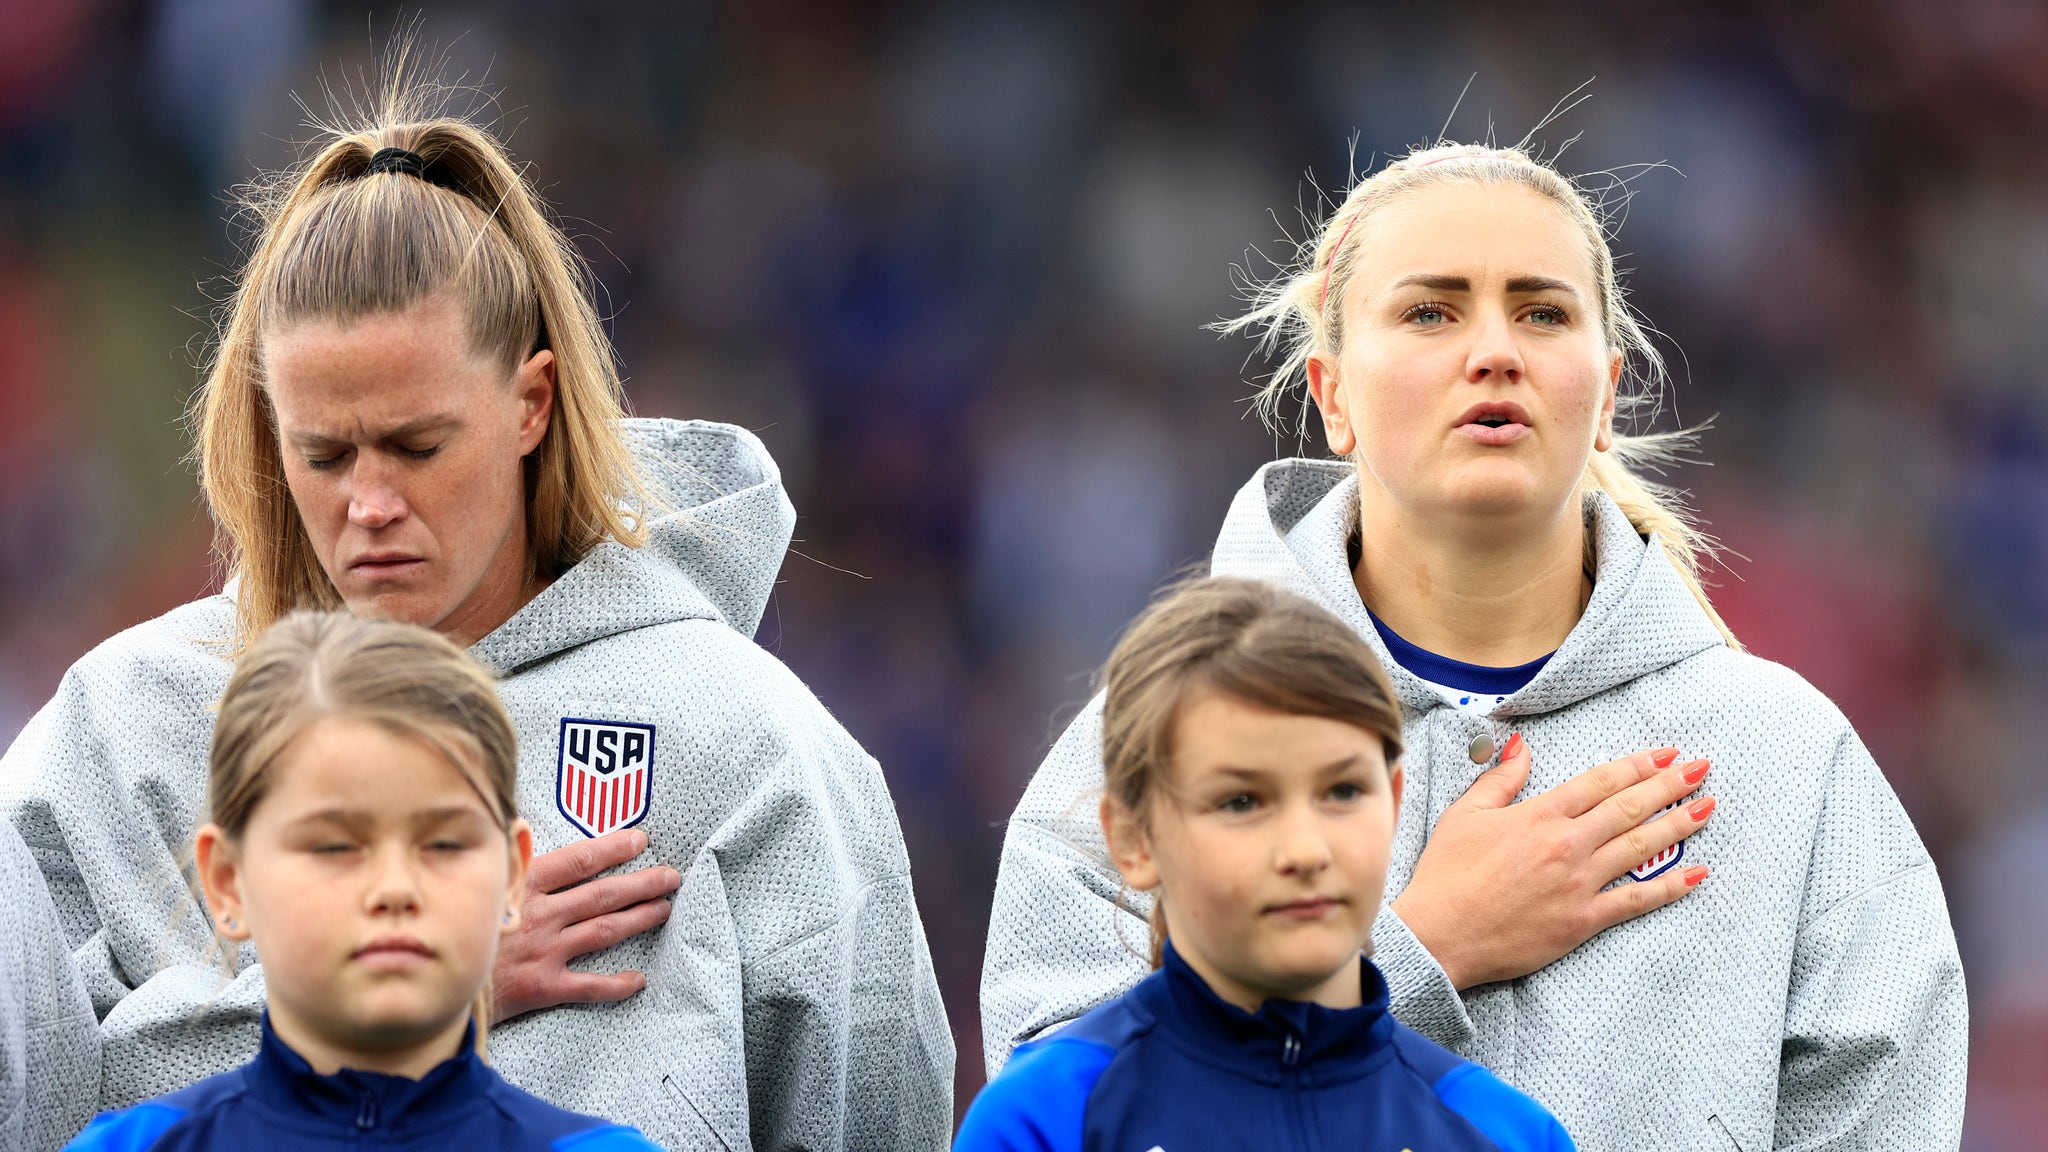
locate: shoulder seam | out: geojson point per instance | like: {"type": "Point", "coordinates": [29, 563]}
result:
{"type": "Point", "coordinates": [1852, 898]}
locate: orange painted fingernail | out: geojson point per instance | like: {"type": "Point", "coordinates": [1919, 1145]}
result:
{"type": "Point", "coordinates": [1700, 808]}
{"type": "Point", "coordinates": [1695, 772]}
{"type": "Point", "coordinates": [1663, 757]}
{"type": "Point", "coordinates": [1694, 875]}
{"type": "Point", "coordinates": [1514, 746]}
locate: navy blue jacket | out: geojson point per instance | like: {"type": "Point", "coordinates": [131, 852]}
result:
{"type": "Point", "coordinates": [1171, 1067]}
{"type": "Point", "coordinates": [278, 1101]}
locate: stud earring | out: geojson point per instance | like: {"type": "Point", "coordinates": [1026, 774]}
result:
{"type": "Point", "coordinates": [228, 922]}
{"type": "Point", "coordinates": [507, 917]}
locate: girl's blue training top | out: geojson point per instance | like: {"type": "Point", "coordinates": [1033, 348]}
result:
{"type": "Point", "coordinates": [278, 1101]}
{"type": "Point", "coordinates": [1171, 1067]}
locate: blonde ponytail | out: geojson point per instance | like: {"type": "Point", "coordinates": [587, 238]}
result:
{"type": "Point", "coordinates": [340, 236]}
{"type": "Point", "coordinates": [1656, 510]}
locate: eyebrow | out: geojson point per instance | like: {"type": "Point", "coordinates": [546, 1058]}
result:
{"type": "Point", "coordinates": [436, 423]}
{"type": "Point", "coordinates": [1341, 764]}
{"type": "Point", "coordinates": [361, 817]}
{"type": "Point", "coordinates": [1517, 286]}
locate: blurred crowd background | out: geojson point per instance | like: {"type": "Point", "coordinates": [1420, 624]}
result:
{"type": "Point", "coordinates": [952, 262]}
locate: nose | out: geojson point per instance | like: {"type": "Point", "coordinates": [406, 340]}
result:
{"type": "Point", "coordinates": [375, 497]}
{"type": "Point", "coordinates": [394, 884]}
{"type": "Point", "coordinates": [1495, 357]}
{"type": "Point", "coordinates": [1303, 847]}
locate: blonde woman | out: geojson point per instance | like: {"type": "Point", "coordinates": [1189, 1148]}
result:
{"type": "Point", "coordinates": [413, 413]}
{"type": "Point", "coordinates": [1651, 880]}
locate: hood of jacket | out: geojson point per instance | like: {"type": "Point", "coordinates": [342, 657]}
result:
{"type": "Point", "coordinates": [718, 523]}
{"type": "Point", "coordinates": [1292, 522]}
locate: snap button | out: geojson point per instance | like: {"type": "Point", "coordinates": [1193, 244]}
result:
{"type": "Point", "coordinates": [1482, 748]}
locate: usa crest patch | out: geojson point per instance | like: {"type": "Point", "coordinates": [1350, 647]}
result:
{"type": "Point", "coordinates": [604, 776]}
{"type": "Point", "coordinates": [1662, 861]}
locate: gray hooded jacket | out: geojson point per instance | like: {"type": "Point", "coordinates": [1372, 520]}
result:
{"type": "Point", "coordinates": [49, 1037]}
{"type": "Point", "coordinates": [1807, 996]}
{"type": "Point", "coordinates": [790, 1001]}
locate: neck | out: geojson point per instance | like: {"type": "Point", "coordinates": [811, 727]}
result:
{"type": "Point", "coordinates": [504, 590]}
{"type": "Point", "coordinates": [329, 1055]}
{"type": "Point", "coordinates": [1343, 988]}
{"type": "Point", "coordinates": [1493, 593]}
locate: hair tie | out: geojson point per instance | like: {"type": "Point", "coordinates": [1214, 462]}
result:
{"type": "Point", "coordinates": [398, 160]}
{"type": "Point", "coordinates": [1323, 298]}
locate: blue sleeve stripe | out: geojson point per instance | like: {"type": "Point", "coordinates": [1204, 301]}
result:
{"type": "Point", "coordinates": [1039, 1102]}
{"type": "Point", "coordinates": [607, 1138]}
{"type": "Point", "coordinates": [1509, 1118]}
{"type": "Point", "coordinates": [130, 1130]}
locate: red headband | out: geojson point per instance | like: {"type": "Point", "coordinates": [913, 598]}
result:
{"type": "Point", "coordinates": [1323, 297]}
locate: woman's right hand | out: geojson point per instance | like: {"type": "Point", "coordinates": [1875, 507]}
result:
{"type": "Point", "coordinates": [1503, 889]}
{"type": "Point", "coordinates": [566, 914]}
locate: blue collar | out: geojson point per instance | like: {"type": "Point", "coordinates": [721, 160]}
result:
{"type": "Point", "coordinates": [1283, 1037]}
{"type": "Point", "coordinates": [1477, 678]}
{"type": "Point", "coordinates": [283, 1079]}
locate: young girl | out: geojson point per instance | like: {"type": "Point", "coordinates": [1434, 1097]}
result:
{"type": "Point", "coordinates": [1460, 326]}
{"type": "Point", "coordinates": [1249, 747]}
{"type": "Point", "coordinates": [365, 836]}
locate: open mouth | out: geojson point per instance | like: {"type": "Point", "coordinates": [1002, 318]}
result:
{"type": "Point", "coordinates": [1495, 422]}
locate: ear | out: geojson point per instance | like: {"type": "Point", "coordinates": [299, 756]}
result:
{"type": "Point", "coordinates": [1324, 389]}
{"type": "Point", "coordinates": [220, 877]}
{"type": "Point", "coordinates": [1603, 438]}
{"type": "Point", "coordinates": [535, 382]}
{"type": "Point", "coordinates": [1396, 781]}
{"type": "Point", "coordinates": [1129, 845]}
{"type": "Point", "coordinates": [521, 850]}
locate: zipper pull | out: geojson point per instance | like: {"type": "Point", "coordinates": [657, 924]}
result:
{"type": "Point", "coordinates": [1290, 1051]}
{"type": "Point", "coordinates": [366, 1116]}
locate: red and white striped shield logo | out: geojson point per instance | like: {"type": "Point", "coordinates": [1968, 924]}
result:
{"type": "Point", "coordinates": [605, 776]}
{"type": "Point", "coordinates": [1662, 861]}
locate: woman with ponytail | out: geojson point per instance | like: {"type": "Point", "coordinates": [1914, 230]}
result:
{"type": "Point", "coordinates": [1565, 904]}
{"type": "Point", "coordinates": [412, 413]}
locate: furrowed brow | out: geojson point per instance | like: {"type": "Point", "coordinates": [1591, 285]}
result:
{"type": "Point", "coordinates": [440, 422]}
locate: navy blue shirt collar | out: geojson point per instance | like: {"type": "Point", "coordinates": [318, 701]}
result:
{"type": "Point", "coordinates": [1481, 679]}
{"type": "Point", "coordinates": [283, 1079]}
{"type": "Point", "coordinates": [1283, 1035]}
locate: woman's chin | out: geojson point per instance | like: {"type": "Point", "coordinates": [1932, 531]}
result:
{"type": "Point", "coordinates": [423, 607]}
{"type": "Point", "coordinates": [1500, 491]}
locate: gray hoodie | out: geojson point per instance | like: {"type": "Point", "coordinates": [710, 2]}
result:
{"type": "Point", "coordinates": [790, 1002]}
{"type": "Point", "coordinates": [1807, 996]}
{"type": "Point", "coordinates": [49, 1037]}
